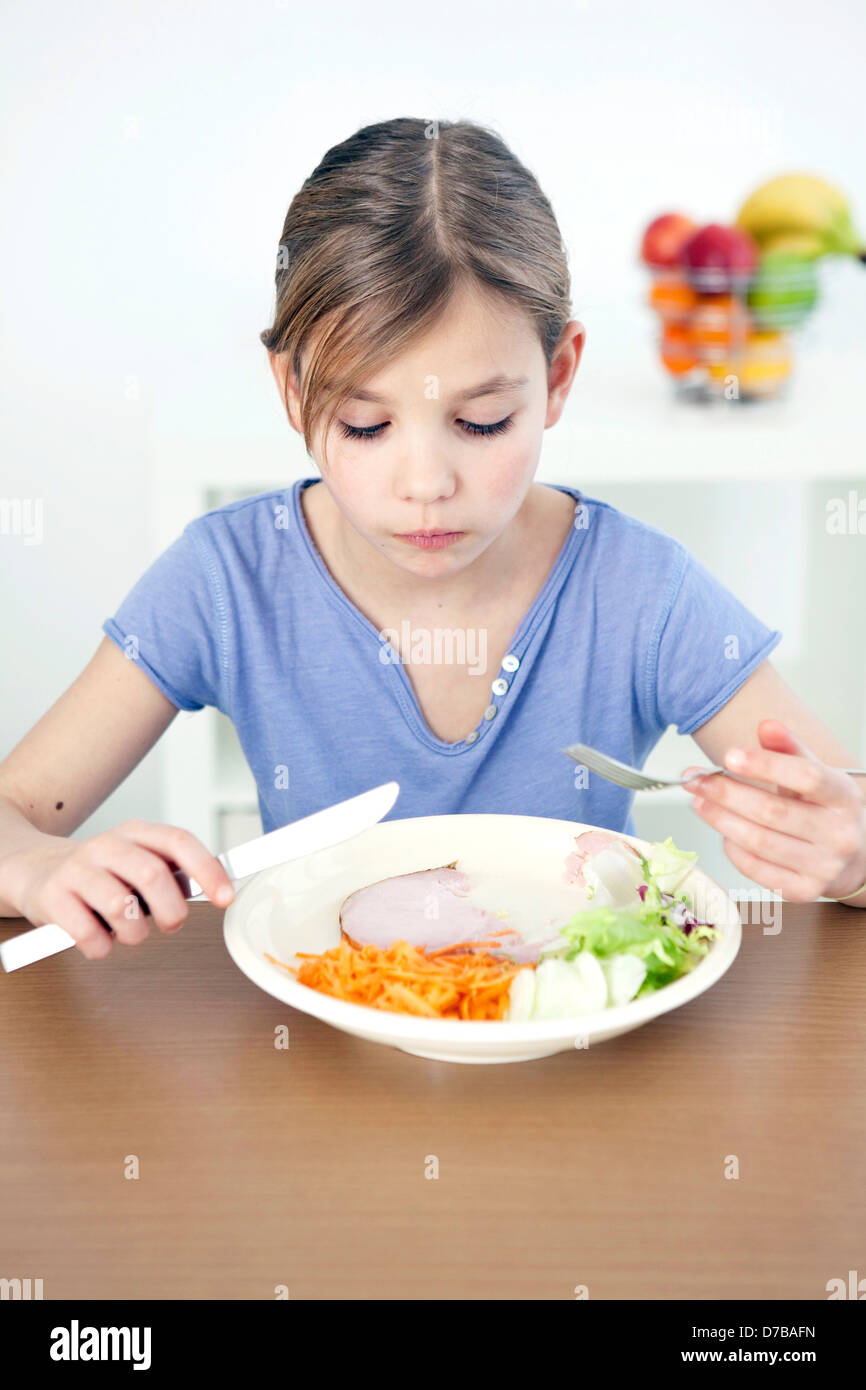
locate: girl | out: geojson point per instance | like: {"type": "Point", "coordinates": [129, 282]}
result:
{"type": "Point", "coordinates": [424, 612]}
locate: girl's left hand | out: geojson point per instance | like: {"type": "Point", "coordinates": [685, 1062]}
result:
{"type": "Point", "coordinates": [802, 839]}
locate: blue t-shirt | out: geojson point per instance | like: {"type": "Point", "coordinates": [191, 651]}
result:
{"type": "Point", "coordinates": [629, 634]}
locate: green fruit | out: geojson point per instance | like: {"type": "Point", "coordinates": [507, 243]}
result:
{"type": "Point", "coordinates": [784, 290]}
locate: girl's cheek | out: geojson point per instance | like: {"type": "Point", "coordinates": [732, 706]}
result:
{"type": "Point", "coordinates": [510, 474]}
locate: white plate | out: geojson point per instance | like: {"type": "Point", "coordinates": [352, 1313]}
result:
{"type": "Point", "coordinates": [295, 907]}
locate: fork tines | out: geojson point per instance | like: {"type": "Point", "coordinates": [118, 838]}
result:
{"type": "Point", "coordinates": [611, 768]}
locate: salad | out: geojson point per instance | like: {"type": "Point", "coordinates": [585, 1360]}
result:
{"type": "Point", "coordinates": [614, 953]}
{"type": "Point", "coordinates": [634, 934]}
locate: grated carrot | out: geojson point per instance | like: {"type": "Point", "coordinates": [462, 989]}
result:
{"type": "Point", "coordinates": [462, 981]}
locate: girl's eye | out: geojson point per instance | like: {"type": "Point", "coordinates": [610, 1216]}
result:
{"type": "Point", "coordinates": [350, 432]}
{"type": "Point", "coordinates": [499, 428]}
{"type": "Point", "coordinates": [371, 431]}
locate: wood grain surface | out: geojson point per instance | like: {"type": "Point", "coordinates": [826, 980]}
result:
{"type": "Point", "coordinates": [306, 1167]}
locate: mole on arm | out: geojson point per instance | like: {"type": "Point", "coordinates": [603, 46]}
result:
{"type": "Point", "coordinates": [59, 806]}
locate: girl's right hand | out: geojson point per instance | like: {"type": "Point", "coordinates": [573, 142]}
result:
{"type": "Point", "coordinates": [69, 881]}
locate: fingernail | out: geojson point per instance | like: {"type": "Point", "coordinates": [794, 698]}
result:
{"type": "Point", "coordinates": [735, 757]}
{"type": "Point", "coordinates": [697, 802]}
{"type": "Point", "coordinates": [224, 895]}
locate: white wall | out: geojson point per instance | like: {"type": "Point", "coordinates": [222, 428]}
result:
{"type": "Point", "coordinates": [149, 154]}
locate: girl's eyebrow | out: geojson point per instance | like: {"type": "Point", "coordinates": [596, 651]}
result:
{"type": "Point", "coordinates": [494, 386]}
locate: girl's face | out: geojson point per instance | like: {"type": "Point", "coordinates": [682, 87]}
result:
{"type": "Point", "coordinates": [452, 441]}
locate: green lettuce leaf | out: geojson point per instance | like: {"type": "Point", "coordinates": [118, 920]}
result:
{"type": "Point", "coordinates": [643, 930]}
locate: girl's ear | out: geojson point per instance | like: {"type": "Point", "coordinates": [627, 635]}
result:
{"type": "Point", "coordinates": [287, 387]}
{"type": "Point", "coordinates": [563, 366]}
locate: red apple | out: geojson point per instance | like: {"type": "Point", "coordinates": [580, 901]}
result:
{"type": "Point", "coordinates": [715, 257]}
{"type": "Point", "coordinates": [664, 238]}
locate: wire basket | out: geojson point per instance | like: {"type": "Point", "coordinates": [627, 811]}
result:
{"type": "Point", "coordinates": [728, 336]}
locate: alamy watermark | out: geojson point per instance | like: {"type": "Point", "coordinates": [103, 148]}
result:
{"type": "Point", "coordinates": [422, 646]}
{"type": "Point", "coordinates": [22, 516]}
{"type": "Point", "coordinates": [845, 516]}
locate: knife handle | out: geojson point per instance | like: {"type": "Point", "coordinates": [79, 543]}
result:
{"type": "Point", "coordinates": [37, 943]}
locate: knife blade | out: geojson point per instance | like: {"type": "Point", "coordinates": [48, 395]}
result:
{"type": "Point", "coordinates": [321, 830]}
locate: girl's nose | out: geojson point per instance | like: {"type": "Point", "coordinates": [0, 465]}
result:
{"type": "Point", "coordinates": [425, 487]}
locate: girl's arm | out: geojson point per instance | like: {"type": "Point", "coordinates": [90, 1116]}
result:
{"type": "Point", "coordinates": [87, 743]}
{"type": "Point", "coordinates": [62, 770]}
{"type": "Point", "coordinates": [807, 839]}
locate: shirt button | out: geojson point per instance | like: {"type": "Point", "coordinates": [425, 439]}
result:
{"type": "Point", "coordinates": [470, 738]}
{"type": "Point", "coordinates": [490, 711]}
{"type": "Point", "coordinates": [510, 662]}
{"type": "Point", "coordinates": [499, 686]}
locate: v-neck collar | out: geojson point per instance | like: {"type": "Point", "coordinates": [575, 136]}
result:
{"type": "Point", "coordinates": [507, 675]}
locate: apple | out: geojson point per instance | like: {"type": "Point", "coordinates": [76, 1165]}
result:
{"type": "Point", "coordinates": [716, 257]}
{"type": "Point", "coordinates": [784, 290]}
{"type": "Point", "coordinates": [664, 237]}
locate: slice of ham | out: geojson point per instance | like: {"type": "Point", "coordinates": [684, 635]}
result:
{"type": "Point", "coordinates": [429, 910]}
{"type": "Point", "coordinates": [588, 843]}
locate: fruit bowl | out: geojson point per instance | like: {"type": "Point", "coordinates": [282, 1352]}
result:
{"type": "Point", "coordinates": [729, 297]}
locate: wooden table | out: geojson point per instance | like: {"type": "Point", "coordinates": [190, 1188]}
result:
{"type": "Point", "coordinates": [305, 1166]}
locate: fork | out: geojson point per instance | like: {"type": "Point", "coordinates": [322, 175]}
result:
{"type": "Point", "coordinates": [624, 776]}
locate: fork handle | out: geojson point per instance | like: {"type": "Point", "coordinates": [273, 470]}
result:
{"type": "Point", "coordinates": [852, 771]}
{"type": "Point", "coordinates": [708, 772]}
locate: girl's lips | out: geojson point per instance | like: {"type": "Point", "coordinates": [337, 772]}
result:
{"type": "Point", "coordinates": [436, 542]}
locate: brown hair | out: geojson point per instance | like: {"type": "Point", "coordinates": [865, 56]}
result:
{"type": "Point", "coordinates": [378, 238]}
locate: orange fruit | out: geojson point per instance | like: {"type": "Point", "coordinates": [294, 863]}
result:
{"type": "Point", "coordinates": [719, 325]}
{"type": "Point", "coordinates": [677, 350]}
{"type": "Point", "coordinates": [672, 297]}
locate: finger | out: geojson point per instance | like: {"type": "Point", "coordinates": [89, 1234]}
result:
{"type": "Point", "coordinates": [786, 814]}
{"type": "Point", "coordinates": [775, 848]}
{"type": "Point", "coordinates": [106, 894]}
{"type": "Point", "coordinates": [813, 780]}
{"type": "Point", "coordinates": [188, 853]}
{"type": "Point", "coordinates": [150, 875]}
{"type": "Point", "coordinates": [778, 738]}
{"type": "Point", "coordinates": [692, 773]}
{"type": "Point", "coordinates": [66, 908]}
{"type": "Point", "coordinates": [787, 883]}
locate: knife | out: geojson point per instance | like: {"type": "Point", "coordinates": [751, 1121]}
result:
{"type": "Point", "coordinates": [318, 831]}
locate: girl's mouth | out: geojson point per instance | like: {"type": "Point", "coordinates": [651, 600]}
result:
{"type": "Point", "coordinates": [436, 540]}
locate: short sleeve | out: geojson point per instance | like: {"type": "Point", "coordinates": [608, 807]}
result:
{"type": "Point", "coordinates": [169, 623]}
{"type": "Point", "coordinates": [708, 643]}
